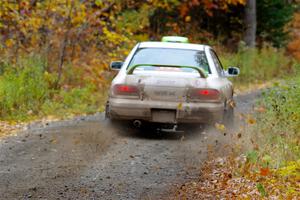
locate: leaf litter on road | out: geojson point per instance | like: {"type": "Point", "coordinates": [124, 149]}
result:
{"type": "Point", "coordinates": [235, 178]}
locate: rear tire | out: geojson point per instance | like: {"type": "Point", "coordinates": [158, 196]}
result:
{"type": "Point", "coordinates": [228, 117]}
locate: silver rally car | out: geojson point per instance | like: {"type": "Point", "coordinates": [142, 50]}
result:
{"type": "Point", "coordinates": [171, 82]}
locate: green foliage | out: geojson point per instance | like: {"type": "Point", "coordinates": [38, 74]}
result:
{"type": "Point", "coordinates": [25, 92]}
{"type": "Point", "coordinates": [134, 20]}
{"type": "Point", "coordinates": [260, 65]}
{"type": "Point", "coordinates": [75, 101]}
{"type": "Point", "coordinates": [277, 129]}
{"type": "Point", "coordinates": [261, 189]}
{"type": "Point", "coordinates": [252, 157]}
{"type": "Point", "coordinates": [272, 16]}
{"type": "Point", "coordinates": [23, 89]}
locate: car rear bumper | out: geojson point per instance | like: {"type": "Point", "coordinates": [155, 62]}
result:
{"type": "Point", "coordinates": [132, 109]}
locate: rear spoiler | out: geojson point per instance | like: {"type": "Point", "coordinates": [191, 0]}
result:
{"type": "Point", "coordinates": [199, 70]}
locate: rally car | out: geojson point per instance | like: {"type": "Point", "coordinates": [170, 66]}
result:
{"type": "Point", "coordinates": [171, 82]}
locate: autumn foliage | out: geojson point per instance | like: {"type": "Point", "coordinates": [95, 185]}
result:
{"type": "Point", "coordinates": [69, 44]}
{"type": "Point", "coordinates": [63, 32]}
{"type": "Point", "coordinates": [84, 34]}
{"type": "Point", "coordinates": [294, 45]}
{"type": "Point", "coordinates": [88, 34]}
{"type": "Point", "coordinates": [54, 58]}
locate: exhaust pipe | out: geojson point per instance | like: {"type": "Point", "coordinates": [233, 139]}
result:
{"type": "Point", "coordinates": [137, 123]}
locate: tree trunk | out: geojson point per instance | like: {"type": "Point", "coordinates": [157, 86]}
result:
{"type": "Point", "coordinates": [62, 53]}
{"type": "Point", "coordinates": [250, 23]}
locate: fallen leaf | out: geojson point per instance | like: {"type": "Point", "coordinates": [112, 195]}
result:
{"type": "Point", "coordinates": [251, 121]}
{"type": "Point", "coordinates": [264, 171]}
{"type": "Point", "coordinates": [179, 106]}
{"type": "Point", "coordinates": [53, 141]}
{"type": "Point", "coordinates": [220, 127]}
{"type": "Point", "coordinates": [260, 109]}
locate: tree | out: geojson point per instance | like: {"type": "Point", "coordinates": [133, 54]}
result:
{"type": "Point", "coordinates": [272, 17]}
{"type": "Point", "coordinates": [250, 23]}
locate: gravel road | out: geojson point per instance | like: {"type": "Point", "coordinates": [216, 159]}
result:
{"type": "Point", "coordinates": [88, 158]}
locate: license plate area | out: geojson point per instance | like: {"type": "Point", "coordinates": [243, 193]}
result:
{"type": "Point", "coordinates": [162, 93]}
{"type": "Point", "coordinates": [163, 116]}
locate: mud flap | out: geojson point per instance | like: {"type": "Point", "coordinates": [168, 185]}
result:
{"type": "Point", "coordinates": [107, 113]}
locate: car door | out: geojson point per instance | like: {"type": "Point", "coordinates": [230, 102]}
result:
{"type": "Point", "coordinates": [227, 87]}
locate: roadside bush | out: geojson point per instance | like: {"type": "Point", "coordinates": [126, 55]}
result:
{"type": "Point", "coordinates": [277, 131]}
{"type": "Point", "coordinates": [23, 88]}
{"type": "Point", "coordinates": [272, 18]}
{"type": "Point", "coordinates": [75, 101]}
{"type": "Point", "coordinates": [26, 92]}
{"type": "Point", "coordinates": [260, 65]}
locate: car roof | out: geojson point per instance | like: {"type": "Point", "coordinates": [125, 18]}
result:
{"type": "Point", "coordinates": [172, 45]}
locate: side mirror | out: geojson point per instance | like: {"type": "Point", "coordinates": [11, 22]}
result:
{"type": "Point", "coordinates": [116, 65]}
{"type": "Point", "coordinates": [232, 71]}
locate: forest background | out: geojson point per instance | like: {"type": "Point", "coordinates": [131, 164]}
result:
{"type": "Point", "coordinates": [55, 55]}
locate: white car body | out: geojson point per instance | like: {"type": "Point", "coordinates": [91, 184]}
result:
{"type": "Point", "coordinates": [165, 96]}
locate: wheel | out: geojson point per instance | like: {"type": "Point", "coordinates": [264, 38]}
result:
{"type": "Point", "coordinates": [228, 117]}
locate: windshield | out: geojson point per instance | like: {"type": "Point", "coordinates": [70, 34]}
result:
{"type": "Point", "coordinates": [167, 56]}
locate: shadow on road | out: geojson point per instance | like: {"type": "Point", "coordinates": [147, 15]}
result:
{"type": "Point", "coordinates": [157, 132]}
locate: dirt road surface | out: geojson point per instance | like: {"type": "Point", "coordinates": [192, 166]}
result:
{"type": "Point", "coordinates": [87, 158]}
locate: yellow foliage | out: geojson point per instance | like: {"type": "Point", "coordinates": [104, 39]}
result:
{"type": "Point", "coordinates": [292, 169]}
{"type": "Point", "coordinates": [9, 43]}
{"type": "Point", "coordinates": [74, 31]}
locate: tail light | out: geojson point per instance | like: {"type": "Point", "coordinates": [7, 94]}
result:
{"type": "Point", "coordinates": [205, 94]}
{"type": "Point", "coordinates": [126, 90]}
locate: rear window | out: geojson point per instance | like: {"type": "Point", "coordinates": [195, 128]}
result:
{"type": "Point", "coordinates": [167, 56]}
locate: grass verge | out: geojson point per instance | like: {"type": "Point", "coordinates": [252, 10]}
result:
{"type": "Point", "coordinates": [259, 66]}
{"type": "Point", "coordinates": [277, 129]}
{"type": "Point", "coordinates": [27, 93]}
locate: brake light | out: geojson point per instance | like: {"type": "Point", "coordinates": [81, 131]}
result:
{"type": "Point", "coordinates": [205, 94]}
{"type": "Point", "coordinates": [128, 90]}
